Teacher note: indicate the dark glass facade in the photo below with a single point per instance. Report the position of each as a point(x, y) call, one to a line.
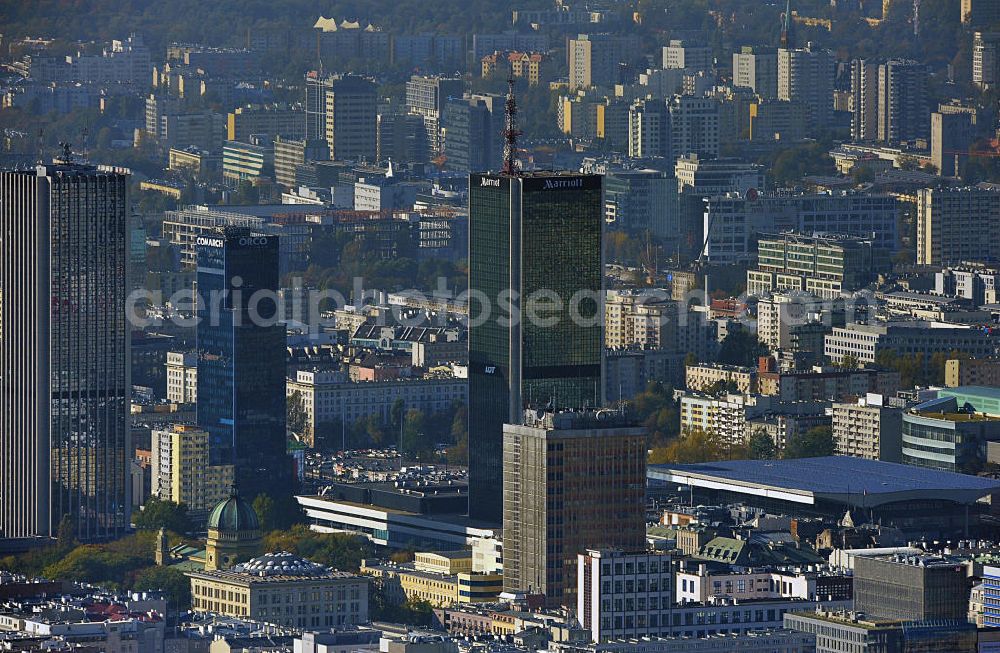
point(534, 256)
point(64, 352)
point(241, 358)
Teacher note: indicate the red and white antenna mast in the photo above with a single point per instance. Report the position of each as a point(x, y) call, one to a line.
point(510, 131)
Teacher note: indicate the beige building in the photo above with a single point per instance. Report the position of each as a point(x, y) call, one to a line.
point(651, 320)
point(331, 397)
point(698, 378)
point(571, 481)
point(440, 578)
point(958, 372)
point(182, 377)
point(282, 589)
point(868, 429)
point(957, 224)
point(181, 472)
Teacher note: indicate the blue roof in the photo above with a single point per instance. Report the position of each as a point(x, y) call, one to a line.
point(972, 391)
point(831, 475)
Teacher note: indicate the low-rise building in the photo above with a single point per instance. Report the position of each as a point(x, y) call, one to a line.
point(825, 266)
point(282, 589)
point(942, 434)
point(427, 579)
point(331, 398)
point(864, 342)
point(968, 371)
point(854, 632)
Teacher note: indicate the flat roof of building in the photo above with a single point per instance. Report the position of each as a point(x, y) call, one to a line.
point(839, 479)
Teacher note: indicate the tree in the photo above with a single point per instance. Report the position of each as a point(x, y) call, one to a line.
point(263, 505)
point(815, 442)
point(741, 348)
point(849, 362)
point(172, 581)
point(418, 442)
point(66, 535)
point(337, 550)
point(696, 446)
point(761, 446)
point(656, 409)
point(160, 513)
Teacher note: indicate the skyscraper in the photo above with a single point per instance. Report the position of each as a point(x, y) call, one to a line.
point(535, 255)
point(572, 481)
point(64, 351)
point(351, 116)
point(757, 68)
point(241, 357)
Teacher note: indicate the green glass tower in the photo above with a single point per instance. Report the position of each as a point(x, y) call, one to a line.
point(536, 335)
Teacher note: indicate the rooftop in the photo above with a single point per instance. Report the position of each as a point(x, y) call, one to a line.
point(842, 479)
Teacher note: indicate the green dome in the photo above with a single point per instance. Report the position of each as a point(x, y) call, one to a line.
point(233, 514)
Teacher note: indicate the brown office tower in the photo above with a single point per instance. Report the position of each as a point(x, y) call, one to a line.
point(572, 481)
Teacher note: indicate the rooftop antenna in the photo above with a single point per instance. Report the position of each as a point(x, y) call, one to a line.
point(510, 131)
point(67, 152)
point(85, 133)
point(39, 144)
point(786, 24)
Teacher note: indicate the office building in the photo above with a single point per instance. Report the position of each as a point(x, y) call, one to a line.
point(911, 587)
point(571, 482)
point(824, 266)
point(733, 222)
point(756, 69)
point(597, 59)
point(315, 106)
point(951, 137)
point(704, 177)
point(966, 371)
point(556, 220)
point(687, 55)
point(944, 434)
point(282, 589)
point(980, 13)
point(271, 119)
point(856, 632)
point(985, 59)
point(784, 121)
point(350, 119)
point(402, 137)
point(864, 342)
point(640, 201)
point(289, 154)
point(470, 127)
point(241, 357)
point(623, 595)
point(868, 429)
point(181, 471)
point(902, 101)
point(957, 224)
point(251, 162)
point(183, 227)
point(426, 97)
point(806, 76)
point(64, 351)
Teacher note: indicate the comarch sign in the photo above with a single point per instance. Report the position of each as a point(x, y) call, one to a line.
point(209, 242)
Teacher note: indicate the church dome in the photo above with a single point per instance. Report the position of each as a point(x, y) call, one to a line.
point(233, 515)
